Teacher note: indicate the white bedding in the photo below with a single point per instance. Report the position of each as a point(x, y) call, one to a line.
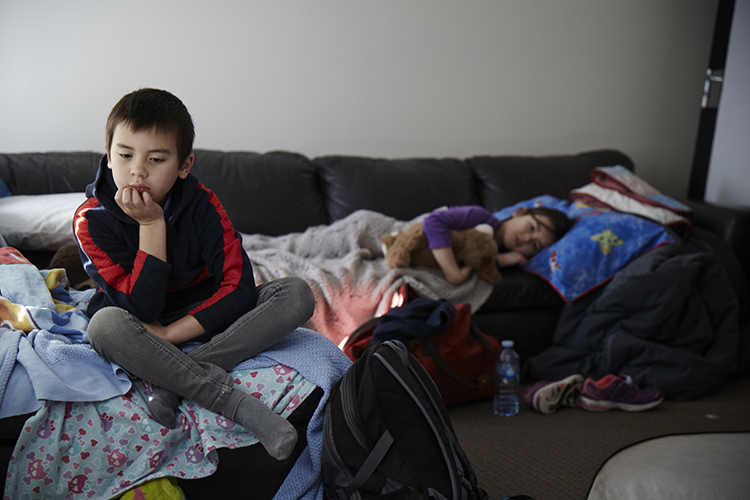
point(39, 222)
point(685, 467)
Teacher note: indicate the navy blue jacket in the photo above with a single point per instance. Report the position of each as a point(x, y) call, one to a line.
point(206, 263)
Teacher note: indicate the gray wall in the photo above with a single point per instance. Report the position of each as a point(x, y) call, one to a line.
point(389, 78)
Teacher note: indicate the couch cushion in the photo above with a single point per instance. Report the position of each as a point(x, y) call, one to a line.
point(273, 193)
point(506, 180)
point(400, 188)
point(48, 173)
point(521, 291)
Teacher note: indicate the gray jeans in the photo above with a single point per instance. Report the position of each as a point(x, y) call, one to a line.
point(201, 375)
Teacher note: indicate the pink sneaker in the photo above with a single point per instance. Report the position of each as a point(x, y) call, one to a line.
point(612, 392)
point(546, 397)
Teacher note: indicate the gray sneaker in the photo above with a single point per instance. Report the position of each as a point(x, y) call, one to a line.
point(546, 397)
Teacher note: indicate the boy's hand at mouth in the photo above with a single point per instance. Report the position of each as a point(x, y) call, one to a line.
point(137, 203)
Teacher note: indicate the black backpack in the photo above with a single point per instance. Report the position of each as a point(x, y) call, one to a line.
point(387, 434)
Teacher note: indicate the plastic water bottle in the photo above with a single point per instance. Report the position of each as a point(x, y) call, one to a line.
point(506, 381)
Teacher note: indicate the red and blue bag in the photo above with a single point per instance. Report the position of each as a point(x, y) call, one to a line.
point(459, 358)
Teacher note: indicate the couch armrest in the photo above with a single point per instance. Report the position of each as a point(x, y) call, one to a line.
point(731, 224)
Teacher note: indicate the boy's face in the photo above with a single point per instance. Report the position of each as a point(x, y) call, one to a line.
point(523, 233)
point(146, 161)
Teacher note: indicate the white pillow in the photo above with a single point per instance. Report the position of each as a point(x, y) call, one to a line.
point(39, 222)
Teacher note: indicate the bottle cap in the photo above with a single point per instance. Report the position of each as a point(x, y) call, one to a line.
point(507, 344)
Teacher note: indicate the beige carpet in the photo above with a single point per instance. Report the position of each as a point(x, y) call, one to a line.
point(557, 456)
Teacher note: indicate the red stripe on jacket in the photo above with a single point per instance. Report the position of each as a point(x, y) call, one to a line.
point(113, 274)
point(232, 271)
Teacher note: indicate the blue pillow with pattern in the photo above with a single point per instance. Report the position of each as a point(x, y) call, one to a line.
point(600, 243)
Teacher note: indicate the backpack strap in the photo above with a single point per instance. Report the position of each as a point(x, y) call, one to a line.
point(448, 448)
point(370, 464)
point(435, 494)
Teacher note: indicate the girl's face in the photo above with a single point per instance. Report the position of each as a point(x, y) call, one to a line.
point(525, 233)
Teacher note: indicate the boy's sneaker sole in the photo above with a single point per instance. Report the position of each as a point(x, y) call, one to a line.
point(565, 392)
point(595, 405)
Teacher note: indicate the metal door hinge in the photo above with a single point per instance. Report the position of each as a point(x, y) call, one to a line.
point(712, 88)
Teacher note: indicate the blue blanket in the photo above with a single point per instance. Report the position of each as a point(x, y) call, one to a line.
point(44, 355)
point(85, 450)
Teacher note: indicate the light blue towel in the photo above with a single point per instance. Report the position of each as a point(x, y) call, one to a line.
point(322, 362)
point(53, 359)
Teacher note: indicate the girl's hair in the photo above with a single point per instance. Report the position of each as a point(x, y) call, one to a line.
point(560, 222)
point(145, 109)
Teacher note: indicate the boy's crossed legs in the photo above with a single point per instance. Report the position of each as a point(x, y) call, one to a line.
point(201, 376)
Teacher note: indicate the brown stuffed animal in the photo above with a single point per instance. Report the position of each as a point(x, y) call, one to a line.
point(68, 258)
point(472, 248)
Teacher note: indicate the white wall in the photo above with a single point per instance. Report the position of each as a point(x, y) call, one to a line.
point(729, 171)
point(389, 78)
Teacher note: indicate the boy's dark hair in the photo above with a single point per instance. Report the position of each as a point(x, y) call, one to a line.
point(146, 108)
point(560, 222)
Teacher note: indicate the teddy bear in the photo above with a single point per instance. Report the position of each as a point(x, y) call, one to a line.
point(68, 258)
point(475, 248)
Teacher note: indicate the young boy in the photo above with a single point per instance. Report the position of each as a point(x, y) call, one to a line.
point(519, 238)
point(170, 268)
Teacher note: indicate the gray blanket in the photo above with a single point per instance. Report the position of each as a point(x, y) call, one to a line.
point(669, 320)
point(343, 263)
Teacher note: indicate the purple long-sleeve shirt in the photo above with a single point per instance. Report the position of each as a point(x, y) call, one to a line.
point(438, 225)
